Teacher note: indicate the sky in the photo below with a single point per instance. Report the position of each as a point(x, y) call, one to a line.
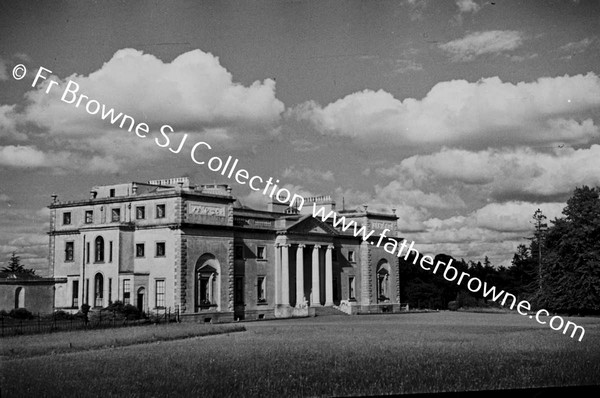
point(465, 116)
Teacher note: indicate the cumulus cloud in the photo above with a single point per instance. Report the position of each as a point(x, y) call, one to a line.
point(479, 43)
point(488, 112)
point(193, 93)
point(465, 6)
point(507, 174)
point(29, 157)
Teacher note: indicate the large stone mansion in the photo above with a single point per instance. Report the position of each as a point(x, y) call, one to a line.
point(168, 243)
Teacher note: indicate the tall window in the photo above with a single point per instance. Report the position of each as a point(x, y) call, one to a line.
point(89, 216)
point(111, 193)
point(66, 218)
point(160, 293)
point(126, 291)
point(261, 288)
point(69, 249)
point(75, 295)
point(110, 247)
point(351, 287)
point(140, 212)
point(160, 211)
point(98, 290)
point(116, 215)
point(99, 253)
point(109, 290)
point(160, 249)
point(87, 253)
point(87, 290)
point(139, 250)
point(260, 252)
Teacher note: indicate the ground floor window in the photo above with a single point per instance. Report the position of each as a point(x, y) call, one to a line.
point(127, 291)
point(160, 293)
point(261, 288)
point(75, 294)
point(98, 290)
point(351, 287)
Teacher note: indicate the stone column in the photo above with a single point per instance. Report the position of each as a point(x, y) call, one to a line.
point(277, 273)
point(328, 277)
point(316, 286)
point(300, 275)
point(285, 275)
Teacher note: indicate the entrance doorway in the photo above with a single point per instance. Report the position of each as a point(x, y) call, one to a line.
point(141, 296)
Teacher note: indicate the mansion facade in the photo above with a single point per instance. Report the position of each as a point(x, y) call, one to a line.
point(170, 244)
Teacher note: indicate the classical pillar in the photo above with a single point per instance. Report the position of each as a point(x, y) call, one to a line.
point(285, 275)
point(328, 277)
point(316, 288)
point(300, 274)
point(277, 273)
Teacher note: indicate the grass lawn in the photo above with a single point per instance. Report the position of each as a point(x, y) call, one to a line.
point(81, 340)
point(360, 355)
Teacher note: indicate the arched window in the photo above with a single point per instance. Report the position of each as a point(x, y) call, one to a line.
point(99, 257)
point(20, 297)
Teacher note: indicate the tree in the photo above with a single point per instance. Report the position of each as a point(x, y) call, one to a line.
point(15, 266)
point(571, 265)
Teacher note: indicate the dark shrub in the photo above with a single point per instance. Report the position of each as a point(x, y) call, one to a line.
point(3, 313)
point(20, 313)
point(63, 315)
point(453, 305)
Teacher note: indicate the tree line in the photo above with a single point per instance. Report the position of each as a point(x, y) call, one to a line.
point(558, 270)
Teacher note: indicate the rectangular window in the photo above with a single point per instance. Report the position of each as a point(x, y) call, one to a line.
point(238, 252)
point(140, 212)
point(160, 211)
point(111, 193)
point(261, 288)
point(351, 287)
point(69, 249)
point(351, 256)
point(89, 216)
point(109, 290)
point(260, 252)
point(110, 247)
point(66, 218)
point(160, 249)
point(75, 295)
point(139, 250)
point(87, 252)
point(115, 215)
point(126, 291)
point(160, 293)
point(239, 290)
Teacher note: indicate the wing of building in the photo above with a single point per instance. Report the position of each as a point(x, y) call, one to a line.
point(167, 243)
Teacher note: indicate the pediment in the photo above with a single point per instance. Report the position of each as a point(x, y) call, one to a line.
point(310, 225)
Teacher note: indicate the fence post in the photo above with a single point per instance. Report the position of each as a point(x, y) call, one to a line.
point(53, 320)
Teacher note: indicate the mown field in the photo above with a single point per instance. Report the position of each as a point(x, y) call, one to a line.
point(337, 355)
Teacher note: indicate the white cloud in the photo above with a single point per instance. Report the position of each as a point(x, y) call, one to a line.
point(465, 6)
point(193, 93)
point(30, 157)
point(503, 174)
point(479, 43)
point(484, 113)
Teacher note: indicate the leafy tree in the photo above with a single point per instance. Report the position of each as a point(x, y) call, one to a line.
point(571, 266)
point(15, 266)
